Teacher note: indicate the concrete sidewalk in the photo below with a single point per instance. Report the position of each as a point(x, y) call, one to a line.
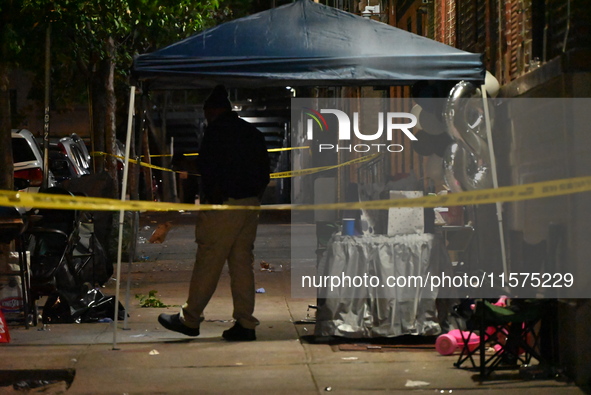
point(285, 359)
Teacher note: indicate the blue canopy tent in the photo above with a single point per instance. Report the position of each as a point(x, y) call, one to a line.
point(304, 43)
point(299, 44)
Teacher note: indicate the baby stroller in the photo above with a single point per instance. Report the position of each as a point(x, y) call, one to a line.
point(66, 258)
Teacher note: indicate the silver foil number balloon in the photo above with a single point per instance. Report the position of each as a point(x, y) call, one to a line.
point(466, 162)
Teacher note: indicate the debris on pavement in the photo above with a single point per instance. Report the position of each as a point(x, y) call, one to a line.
point(260, 291)
point(160, 232)
point(417, 383)
point(69, 307)
point(266, 267)
point(151, 300)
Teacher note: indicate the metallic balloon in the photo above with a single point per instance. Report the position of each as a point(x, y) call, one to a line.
point(466, 162)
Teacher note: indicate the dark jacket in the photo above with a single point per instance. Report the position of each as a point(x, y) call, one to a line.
point(233, 160)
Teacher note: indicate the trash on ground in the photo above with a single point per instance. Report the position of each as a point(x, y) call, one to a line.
point(417, 383)
point(160, 232)
point(306, 321)
point(154, 352)
point(266, 267)
point(68, 307)
point(261, 290)
point(349, 358)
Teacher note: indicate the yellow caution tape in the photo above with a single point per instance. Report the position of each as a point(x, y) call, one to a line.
point(269, 150)
point(303, 172)
point(286, 149)
point(98, 153)
point(486, 196)
point(284, 174)
point(144, 164)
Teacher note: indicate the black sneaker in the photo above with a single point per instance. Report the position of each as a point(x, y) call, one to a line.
point(239, 333)
point(173, 322)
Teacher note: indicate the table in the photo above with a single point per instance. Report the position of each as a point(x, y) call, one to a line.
point(378, 310)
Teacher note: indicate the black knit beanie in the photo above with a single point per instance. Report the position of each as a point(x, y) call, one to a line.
point(218, 98)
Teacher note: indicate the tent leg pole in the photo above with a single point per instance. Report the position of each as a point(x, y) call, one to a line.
point(127, 291)
point(495, 179)
point(122, 212)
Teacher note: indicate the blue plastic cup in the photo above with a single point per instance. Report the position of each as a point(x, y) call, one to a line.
point(348, 227)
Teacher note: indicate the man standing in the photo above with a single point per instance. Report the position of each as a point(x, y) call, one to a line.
point(234, 167)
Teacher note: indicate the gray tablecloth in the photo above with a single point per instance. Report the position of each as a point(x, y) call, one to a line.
point(379, 311)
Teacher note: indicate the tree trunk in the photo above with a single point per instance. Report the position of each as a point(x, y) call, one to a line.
point(110, 121)
point(6, 165)
point(103, 112)
point(146, 171)
point(98, 118)
point(136, 149)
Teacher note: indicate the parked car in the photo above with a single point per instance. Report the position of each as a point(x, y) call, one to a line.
point(68, 158)
point(82, 145)
point(28, 160)
point(75, 149)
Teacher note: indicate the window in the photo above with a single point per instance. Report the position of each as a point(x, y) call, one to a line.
point(21, 151)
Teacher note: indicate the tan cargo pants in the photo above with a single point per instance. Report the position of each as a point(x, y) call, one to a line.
point(224, 236)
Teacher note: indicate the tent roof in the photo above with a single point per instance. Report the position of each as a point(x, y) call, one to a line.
point(304, 43)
